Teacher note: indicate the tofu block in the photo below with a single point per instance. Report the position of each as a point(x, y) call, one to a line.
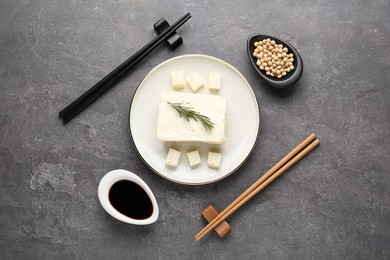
point(214, 81)
point(195, 81)
point(173, 128)
point(178, 80)
point(214, 160)
point(172, 157)
point(194, 158)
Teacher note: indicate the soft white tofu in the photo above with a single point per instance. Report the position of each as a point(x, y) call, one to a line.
point(195, 81)
point(214, 81)
point(214, 160)
point(178, 81)
point(194, 158)
point(173, 128)
point(172, 157)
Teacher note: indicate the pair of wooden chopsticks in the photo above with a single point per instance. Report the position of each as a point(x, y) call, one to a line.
point(290, 159)
point(108, 81)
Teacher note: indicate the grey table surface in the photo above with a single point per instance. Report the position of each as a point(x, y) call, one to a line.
point(334, 204)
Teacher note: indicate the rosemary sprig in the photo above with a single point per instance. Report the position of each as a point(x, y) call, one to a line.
point(188, 112)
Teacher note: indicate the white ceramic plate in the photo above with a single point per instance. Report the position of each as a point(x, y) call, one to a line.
point(242, 120)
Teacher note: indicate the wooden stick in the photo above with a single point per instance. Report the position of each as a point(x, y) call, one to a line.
point(264, 177)
point(284, 164)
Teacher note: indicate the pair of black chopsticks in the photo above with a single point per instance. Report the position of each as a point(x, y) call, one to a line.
point(69, 112)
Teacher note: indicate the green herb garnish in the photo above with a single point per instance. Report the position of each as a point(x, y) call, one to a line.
point(188, 112)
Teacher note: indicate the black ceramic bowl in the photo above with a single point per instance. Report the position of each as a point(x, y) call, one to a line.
point(291, 78)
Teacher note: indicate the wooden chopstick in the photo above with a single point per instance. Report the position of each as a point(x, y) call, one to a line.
point(290, 159)
point(108, 81)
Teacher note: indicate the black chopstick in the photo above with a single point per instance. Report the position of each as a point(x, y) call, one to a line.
point(99, 88)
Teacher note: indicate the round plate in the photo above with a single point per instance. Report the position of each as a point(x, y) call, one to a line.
point(241, 128)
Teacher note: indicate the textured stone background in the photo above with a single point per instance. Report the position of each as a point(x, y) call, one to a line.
point(335, 204)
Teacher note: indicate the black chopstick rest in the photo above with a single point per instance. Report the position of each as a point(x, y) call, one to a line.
point(175, 40)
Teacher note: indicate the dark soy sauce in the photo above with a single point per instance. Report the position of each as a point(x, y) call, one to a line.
point(130, 199)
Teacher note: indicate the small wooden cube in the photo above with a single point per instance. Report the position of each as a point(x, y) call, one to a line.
point(214, 81)
point(194, 158)
point(209, 213)
point(214, 160)
point(178, 80)
point(172, 157)
point(195, 81)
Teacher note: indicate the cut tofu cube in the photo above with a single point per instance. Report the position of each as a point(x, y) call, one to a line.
point(195, 81)
point(194, 158)
point(214, 160)
point(173, 157)
point(173, 128)
point(214, 81)
point(178, 80)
